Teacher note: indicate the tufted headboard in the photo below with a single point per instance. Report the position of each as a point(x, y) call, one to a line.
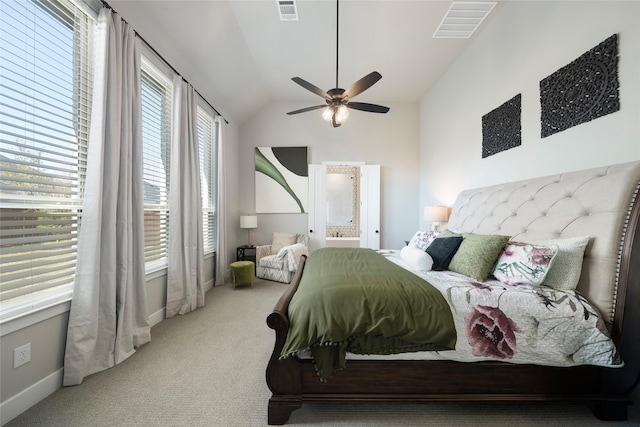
point(595, 202)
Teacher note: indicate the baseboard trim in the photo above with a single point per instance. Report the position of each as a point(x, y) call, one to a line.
point(208, 285)
point(16, 405)
point(160, 315)
point(157, 317)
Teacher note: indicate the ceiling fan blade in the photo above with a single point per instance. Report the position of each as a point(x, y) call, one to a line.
point(363, 84)
point(371, 108)
point(304, 110)
point(305, 84)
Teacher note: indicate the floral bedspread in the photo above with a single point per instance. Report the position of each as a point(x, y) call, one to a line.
point(521, 323)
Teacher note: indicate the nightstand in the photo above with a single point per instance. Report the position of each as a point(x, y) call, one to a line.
point(246, 253)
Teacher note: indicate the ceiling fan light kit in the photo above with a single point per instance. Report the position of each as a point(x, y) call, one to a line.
point(336, 114)
point(338, 100)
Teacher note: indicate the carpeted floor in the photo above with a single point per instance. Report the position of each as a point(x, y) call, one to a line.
point(208, 369)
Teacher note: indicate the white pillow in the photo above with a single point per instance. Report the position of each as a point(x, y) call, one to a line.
point(565, 272)
point(417, 259)
point(280, 240)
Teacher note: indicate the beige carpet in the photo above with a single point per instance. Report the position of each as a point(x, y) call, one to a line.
point(208, 369)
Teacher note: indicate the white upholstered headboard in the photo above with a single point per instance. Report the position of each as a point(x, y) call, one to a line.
point(594, 202)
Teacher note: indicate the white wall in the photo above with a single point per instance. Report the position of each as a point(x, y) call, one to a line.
point(525, 42)
point(390, 140)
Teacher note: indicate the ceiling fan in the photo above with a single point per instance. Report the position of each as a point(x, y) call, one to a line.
point(338, 100)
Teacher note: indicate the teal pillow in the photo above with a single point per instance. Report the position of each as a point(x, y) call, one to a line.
point(477, 255)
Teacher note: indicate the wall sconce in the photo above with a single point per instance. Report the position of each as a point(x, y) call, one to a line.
point(249, 222)
point(437, 215)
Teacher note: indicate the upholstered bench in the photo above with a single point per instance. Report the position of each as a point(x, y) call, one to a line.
point(242, 273)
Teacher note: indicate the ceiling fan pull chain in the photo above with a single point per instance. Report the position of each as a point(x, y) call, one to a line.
point(337, 37)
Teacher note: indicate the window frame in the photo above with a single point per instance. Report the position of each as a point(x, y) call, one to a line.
point(82, 27)
point(210, 144)
point(158, 77)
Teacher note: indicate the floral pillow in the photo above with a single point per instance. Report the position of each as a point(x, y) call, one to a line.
point(522, 263)
point(422, 239)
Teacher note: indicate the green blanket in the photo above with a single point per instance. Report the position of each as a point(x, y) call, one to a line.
point(358, 301)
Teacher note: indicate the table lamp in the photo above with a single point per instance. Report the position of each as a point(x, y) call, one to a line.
point(249, 222)
point(437, 215)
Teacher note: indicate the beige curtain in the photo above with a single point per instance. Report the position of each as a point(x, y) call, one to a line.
point(185, 280)
point(108, 317)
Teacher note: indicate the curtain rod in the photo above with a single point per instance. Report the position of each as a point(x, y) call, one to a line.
point(108, 6)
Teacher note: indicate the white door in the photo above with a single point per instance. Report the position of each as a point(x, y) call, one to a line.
point(370, 206)
point(317, 207)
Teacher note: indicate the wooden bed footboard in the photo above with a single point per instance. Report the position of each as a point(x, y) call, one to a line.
point(284, 377)
point(293, 381)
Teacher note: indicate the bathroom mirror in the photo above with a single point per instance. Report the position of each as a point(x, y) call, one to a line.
point(340, 195)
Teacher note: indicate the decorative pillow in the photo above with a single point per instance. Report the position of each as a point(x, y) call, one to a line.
point(422, 239)
point(524, 263)
point(441, 250)
point(281, 240)
point(417, 259)
point(565, 272)
point(448, 233)
point(477, 255)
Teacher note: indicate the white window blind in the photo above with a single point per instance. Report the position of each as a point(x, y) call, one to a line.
point(45, 101)
point(208, 142)
point(156, 134)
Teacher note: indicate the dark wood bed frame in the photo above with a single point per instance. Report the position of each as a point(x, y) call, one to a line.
point(293, 381)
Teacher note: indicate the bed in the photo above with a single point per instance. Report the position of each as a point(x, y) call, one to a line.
point(600, 203)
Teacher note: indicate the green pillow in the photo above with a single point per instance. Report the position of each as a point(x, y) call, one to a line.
point(477, 255)
point(448, 233)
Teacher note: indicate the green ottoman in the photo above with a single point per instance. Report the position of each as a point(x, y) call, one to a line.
point(242, 273)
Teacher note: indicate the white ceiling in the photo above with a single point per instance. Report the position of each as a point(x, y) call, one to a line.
point(240, 56)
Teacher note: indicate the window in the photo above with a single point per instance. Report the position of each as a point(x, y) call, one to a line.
point(45, 102)
point(46, 77)
point(156, 137)
point(208, 142)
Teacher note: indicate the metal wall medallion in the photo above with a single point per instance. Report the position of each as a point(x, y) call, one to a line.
point(581, 91)
point(501, 128)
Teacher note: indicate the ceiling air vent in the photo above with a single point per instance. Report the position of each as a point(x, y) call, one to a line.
point(288, 10)
point(462, 19)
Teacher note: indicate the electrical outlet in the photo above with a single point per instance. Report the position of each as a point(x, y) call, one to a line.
point(21, 355)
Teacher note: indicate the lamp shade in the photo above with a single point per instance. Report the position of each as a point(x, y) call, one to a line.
point(436, 213)
point(248, 221)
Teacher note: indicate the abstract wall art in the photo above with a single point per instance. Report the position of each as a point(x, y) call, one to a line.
point(581, 91)
point(501, 128)
point(282, 179)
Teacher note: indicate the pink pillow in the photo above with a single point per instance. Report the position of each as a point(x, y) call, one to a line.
point(524, 263)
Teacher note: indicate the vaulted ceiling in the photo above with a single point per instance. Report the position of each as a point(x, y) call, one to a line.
point(240, 56)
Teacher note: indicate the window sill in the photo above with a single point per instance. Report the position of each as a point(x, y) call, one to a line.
point(26, 319)
point(10, 322)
